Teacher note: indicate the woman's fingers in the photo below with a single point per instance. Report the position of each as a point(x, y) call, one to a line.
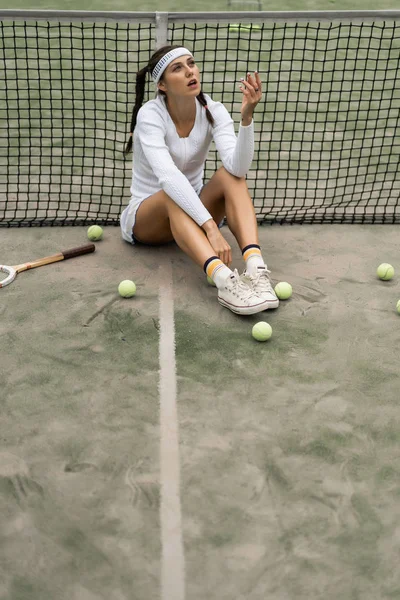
point(252, 84)
point(221, 247)
point(226, 256)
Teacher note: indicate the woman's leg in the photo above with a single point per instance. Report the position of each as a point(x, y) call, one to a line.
point(236, 204)
point(227, 195)
point(160, 220)
point(152, 221)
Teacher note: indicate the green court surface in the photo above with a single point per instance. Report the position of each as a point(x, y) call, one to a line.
point(150, 448)
point(287, 468)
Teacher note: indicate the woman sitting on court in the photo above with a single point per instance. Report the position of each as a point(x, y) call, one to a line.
point(171, 138)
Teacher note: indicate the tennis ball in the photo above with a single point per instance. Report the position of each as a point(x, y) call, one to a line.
point(95, 233)
point(127, 288)
point(398, 306)
point(283, 290)
point(385, 271)
point(261, 331)
point(238, 27)
point(210, 281)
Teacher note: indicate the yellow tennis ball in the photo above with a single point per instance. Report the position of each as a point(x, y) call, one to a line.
point(283, 290)
point(243, 26)
point(261, 331)
point(385, 271)
point(398, 306)
point(210, 281)
point(95, 233)
point(127, 288)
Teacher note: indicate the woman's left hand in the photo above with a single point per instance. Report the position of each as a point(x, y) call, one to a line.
point(251, 88)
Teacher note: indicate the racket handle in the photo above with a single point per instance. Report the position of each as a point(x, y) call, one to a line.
point(86, 249)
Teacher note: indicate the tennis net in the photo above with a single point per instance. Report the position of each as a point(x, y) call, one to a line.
point(327, 143)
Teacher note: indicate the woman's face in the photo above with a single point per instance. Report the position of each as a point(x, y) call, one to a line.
point(178, 75)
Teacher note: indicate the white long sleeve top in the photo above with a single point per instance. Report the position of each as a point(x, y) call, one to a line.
point(163, 160)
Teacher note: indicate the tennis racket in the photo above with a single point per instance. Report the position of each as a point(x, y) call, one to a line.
point(12, 272)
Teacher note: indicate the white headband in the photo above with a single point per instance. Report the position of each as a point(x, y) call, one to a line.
point(166, 60)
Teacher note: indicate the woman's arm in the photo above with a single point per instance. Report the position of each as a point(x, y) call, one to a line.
point(151, 133)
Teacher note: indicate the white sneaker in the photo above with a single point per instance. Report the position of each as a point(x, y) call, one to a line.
point(239, 297)
point(260, 283)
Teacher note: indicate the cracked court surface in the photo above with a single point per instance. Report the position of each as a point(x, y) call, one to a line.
point(288, 463)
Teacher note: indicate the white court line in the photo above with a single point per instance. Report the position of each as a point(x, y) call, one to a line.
point(172, 560)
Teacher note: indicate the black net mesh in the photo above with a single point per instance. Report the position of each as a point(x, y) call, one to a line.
point(327, 143)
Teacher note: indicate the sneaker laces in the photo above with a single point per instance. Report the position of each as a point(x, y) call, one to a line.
point(238, 286)
point(262, 280)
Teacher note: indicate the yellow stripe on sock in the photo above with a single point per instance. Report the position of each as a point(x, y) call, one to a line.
point(213, 266)
point(251, 252)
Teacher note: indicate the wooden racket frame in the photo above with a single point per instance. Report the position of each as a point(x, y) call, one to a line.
point(47, 260)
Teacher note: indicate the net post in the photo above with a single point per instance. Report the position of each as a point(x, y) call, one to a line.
point(161, 33)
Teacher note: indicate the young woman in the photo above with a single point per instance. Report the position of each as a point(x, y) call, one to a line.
point(171, 137)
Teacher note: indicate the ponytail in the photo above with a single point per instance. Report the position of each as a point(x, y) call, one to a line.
point(140, 87)
point(203, 102)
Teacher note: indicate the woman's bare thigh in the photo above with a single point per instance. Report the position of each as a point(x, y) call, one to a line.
point(152, 222)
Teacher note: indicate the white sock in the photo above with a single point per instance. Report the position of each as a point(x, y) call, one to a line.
point(253, 263)
point(221, 276)
point(217, 271)
point(253, 258)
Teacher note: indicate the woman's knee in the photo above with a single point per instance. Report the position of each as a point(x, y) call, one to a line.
point(224, 174)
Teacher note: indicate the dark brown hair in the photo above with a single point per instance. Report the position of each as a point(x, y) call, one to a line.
point(140, 87)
